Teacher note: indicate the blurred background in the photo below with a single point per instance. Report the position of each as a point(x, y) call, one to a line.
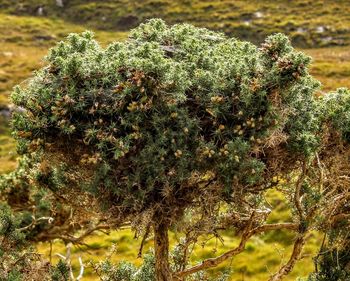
point(320, 28)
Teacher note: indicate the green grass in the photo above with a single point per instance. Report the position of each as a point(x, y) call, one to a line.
point(307, 22)
point(7, 151)
point(263, 254)
point(23, 46)
point(331, 66)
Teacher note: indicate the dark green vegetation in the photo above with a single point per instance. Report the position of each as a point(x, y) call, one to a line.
point(168, 95)
point(21, 52)
point(333, 265)
point(183, 128)
point(165, 121)
point(25, 39)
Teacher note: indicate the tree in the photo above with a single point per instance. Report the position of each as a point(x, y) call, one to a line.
point(180, 120)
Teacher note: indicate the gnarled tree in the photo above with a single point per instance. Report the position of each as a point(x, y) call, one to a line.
point(178, 120)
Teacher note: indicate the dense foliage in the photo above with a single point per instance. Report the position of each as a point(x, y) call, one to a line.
point(181, 127)
point(18, 260)
point(139, 121)
point(333, 265)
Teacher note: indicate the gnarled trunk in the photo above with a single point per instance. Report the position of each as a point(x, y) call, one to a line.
point(161, 248)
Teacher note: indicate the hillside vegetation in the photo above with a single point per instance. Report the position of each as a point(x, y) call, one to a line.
point(307, 22)
point(29, 28)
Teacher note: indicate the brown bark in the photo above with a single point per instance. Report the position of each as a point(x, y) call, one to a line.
point(213, 262)
point(288, 267)
point(161, 248)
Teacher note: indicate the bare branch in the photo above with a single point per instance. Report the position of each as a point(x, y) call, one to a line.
point(339, 217)
point(68, 260)
point(81, 273)
point(295, 256)
point(35, 222)
point(79, 239)
point(213, 262)
point(144, 238)
point(297, 199)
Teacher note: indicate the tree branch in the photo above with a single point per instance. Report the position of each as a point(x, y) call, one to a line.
point(297, 199)
point(295, 256)
point(213, 262)
point(35, 221)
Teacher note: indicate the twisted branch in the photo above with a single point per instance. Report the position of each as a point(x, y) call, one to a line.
point(247, 234)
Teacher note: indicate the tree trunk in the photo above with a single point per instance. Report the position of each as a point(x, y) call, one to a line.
point(161, 248)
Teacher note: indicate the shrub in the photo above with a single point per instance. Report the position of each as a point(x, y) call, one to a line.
point(175, 121)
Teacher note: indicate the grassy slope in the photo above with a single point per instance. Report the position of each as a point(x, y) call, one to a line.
point(308, 22)
point(25, 40)
point(331, 66)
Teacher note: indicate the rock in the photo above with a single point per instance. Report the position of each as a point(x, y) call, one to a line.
point(320, 29)
point(327, 39)
point(7, 54)
point(44, 37)
point(59, 3)
point(301, 30)
point(5, 113)
point(258, 15)
point(40, 11)
point(247, 22)
point(12, 108)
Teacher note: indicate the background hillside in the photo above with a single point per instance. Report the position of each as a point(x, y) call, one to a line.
point(319, 28)
point(308, 23)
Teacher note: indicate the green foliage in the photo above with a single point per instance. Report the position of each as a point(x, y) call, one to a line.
point(125, 271)
point(332, 265)
point(306, 142)
point(18, 260)
point(336, 106)
point(140, 118)
point(8, 226)
point(13, 254)
point(60, 272)
point(19, 193)
point(171, 118)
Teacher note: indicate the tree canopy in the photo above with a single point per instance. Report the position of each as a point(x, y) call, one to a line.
point(178, 120)
point(143, 119)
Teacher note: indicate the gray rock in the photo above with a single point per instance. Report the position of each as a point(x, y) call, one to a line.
point(5, 113)
point(258, 15)
point(320, 29)
point(40, 11)
point(59, 3)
